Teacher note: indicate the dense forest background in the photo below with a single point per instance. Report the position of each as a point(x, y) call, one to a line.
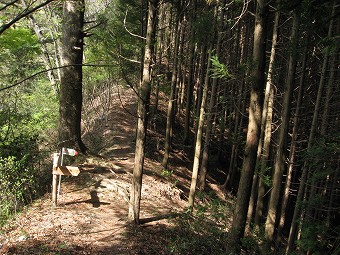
point(252, 94)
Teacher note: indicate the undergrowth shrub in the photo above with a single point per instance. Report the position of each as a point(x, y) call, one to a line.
point(201, 231)
point(196, 235)
point(19, 175)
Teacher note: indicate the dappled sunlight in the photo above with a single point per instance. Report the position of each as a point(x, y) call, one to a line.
point(91, 216)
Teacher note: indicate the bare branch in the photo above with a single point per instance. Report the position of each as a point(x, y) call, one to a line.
point(128, 59)
point(244, 10)
point(7, 4)
point(135, 35)
point(23, 15)
point(50, 69)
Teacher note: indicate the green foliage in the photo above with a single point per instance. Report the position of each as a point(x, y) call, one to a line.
point(321, 158)
point(212, 204)
point(167, 173)
point(250, 244)
point(19, 41)
point(313, 238)
point(197, 235)
point(22, 173)
point(18, 49)
point(17, 175)
point(267, 179)
point(203, 25)
point(320, 230)
point(220, 70)
point(203, 230)
point(27, 113)
point(111, 44)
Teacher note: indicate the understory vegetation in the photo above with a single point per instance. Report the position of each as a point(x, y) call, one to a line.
point(242, 95)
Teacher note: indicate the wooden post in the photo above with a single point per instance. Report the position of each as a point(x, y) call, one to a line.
point(59, 170)
point(54, 189)
point(55, 179)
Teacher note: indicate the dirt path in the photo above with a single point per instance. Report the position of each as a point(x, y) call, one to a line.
point(92, 207)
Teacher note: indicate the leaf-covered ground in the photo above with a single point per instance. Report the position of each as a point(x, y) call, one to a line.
point(91, 216)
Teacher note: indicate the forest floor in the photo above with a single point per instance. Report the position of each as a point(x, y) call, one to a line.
point(91, 216)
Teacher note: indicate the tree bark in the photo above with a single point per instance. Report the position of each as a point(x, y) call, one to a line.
point(190, 85)
point(198, 143)
point(45, 54)
point(255, 111)
point(71, 75)
point(143, 112)
point(304, 175)
point(258, 189)
point(280, 157)
point(292, 150)
point(210, 115)
point(200, 75)
point(172, 98)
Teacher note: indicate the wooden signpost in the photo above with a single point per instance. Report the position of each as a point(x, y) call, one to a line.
point(66, 170)
point(58, 170)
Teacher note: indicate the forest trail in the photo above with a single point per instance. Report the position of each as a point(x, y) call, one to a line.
point(91, 216)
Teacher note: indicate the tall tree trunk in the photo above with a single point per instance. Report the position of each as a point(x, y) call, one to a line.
point(171, 103)
point(45, 54)
point(190, 84)
point(304, 175)
point(239, 110)
point(238, 123)
point(143, 112)
point(292, 150)
point(280, 157)
point(198, 143)
point(53, 31)
point(330, 85)
point(265, 133)
point(222, 119)
point(210, 115)
point(201, 74)
point(71, 74)
point(160, 49)
point(254, 125)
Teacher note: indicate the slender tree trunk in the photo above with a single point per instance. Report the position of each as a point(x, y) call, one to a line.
point(239, 110)
point(265, 133)
point(280, 156)
point(232, 169)
point(160, 49)
point(45, 54)
point(198, 143)
point(301, 192)
point(71, 75)
point(330, 85)
point(190, 84)
point(223, 119)
point(201, 76)
point(53, 31)
point(143, 111)
point(171, 107)
point(292, 151)
point(254, 125)
point(210, 116)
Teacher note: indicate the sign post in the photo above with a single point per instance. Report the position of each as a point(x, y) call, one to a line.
point(59, 169)
point(55, 178)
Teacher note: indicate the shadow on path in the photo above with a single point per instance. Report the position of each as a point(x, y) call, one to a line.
point(94, 200)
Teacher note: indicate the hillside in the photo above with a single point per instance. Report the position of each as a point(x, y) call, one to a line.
point(91, 216)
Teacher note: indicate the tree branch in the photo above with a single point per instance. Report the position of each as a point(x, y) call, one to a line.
point(7, 4)
point(22, 15)
point(135, 35)
point(47, 70)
